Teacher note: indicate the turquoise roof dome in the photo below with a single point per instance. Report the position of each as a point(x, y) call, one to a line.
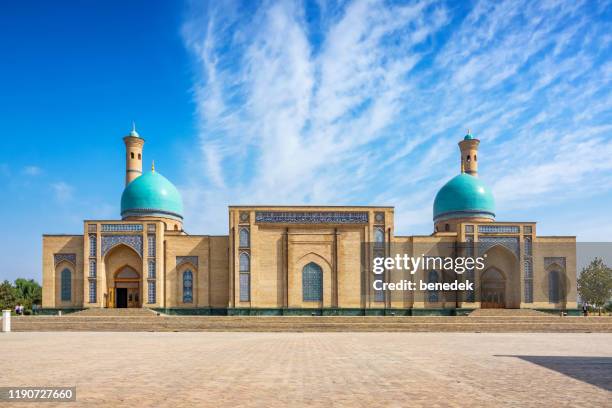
point(464, 196)
point(151, 195)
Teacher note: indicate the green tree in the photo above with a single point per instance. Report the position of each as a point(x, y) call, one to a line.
point(8, 295)
point(595, 284)
point(29, 292)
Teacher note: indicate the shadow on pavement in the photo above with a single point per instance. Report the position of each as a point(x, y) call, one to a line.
point(592, 370)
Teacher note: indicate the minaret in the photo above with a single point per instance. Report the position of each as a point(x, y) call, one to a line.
point(133, 155)
point(469, 154)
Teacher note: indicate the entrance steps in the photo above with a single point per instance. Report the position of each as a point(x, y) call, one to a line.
point(152, 322)
point(110, 312)
point(508, 313)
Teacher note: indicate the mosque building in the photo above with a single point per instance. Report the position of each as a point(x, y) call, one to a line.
point(282, 260)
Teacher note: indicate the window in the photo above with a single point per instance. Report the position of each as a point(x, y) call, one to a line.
point(92, 268)
point(151, 244)
point(244, 238)
point(553, 287)
point(528, 281)
point(92, 291)
point(132, 155)
point(432, 295)
point(151, 269)
point(92, 245)
point(245, 287)
point(446, 227)
point(475, 158)
point(66, 286)
point(151, 292)
point(312, 283)
point(379, 237)
point(187, 287)
point(139, 156)
point(469, 159)
point(528, 246)
point(245, 264)
point(245, 279)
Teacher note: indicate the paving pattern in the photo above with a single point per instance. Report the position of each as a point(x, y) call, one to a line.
point(210, 369)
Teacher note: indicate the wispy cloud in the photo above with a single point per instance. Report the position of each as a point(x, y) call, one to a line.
point(32, 170)
point(62, 191)
point(363, 102)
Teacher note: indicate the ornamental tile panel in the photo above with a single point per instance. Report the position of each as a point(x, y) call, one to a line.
point(554, 260)
point(57, 258)
point(302, 217)
point(110, 241)
point(186, 259)
point(511, 243)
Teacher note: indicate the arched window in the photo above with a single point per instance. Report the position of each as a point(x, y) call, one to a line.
point(245, 278)
point(312, 283)
point(475, 157)
point(92, 245)
point(553, 287)
point(469, 159)
point(187, 287)
point(244, 238)
point(432, 295)
point(245, 264)
point(379, 237)
point(66, 285)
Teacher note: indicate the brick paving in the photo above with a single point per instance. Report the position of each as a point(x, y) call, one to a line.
point(210, 369)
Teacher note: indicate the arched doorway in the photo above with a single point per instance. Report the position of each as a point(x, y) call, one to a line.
point(126, 289)
point(493, 289)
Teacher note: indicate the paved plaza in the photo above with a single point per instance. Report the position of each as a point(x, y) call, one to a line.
point(142, 369)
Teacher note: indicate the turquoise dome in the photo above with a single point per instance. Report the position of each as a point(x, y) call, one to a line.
point(464, 196)
point(151, 195)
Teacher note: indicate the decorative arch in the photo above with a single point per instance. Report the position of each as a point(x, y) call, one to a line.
point(313, 257)
point(110, 242)
point(185, 288)
point(510, 244)
point(126, 272)
point(59, 258)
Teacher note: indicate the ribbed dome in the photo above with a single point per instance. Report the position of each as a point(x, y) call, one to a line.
point(151, 195)
point(462, 197)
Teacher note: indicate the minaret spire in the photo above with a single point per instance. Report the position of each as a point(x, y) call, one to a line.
point(153, 166)
point(469, 154)
point(133, 154)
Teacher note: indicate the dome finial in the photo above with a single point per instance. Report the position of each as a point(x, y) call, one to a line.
point(153, 166)
point(468, 135)
point(134, 133)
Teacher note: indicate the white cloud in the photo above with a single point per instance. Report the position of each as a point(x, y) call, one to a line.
point(62, 191)
point(32, 170)
point(365, 104)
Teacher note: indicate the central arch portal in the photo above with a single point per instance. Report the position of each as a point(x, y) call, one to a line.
point(126, 289)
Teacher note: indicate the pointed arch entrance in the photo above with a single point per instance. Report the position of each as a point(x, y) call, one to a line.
point(493, 284)
point(123, 270)
point(127, 288)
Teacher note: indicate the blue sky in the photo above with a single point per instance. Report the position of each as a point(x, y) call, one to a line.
point(303, 103)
